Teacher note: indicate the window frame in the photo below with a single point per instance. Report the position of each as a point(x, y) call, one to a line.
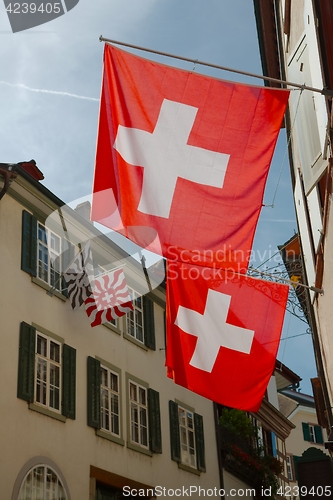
point(52, 255)
point(153, 418)
point(186, 430)
point(175, 439)
point(131, 317)
point(29, 253)
point(49, 363)
point(26, 381)
point(142, 409)
point(312, 433)
point(290, 467)
point(46, 471)
point(111, 392)
point(29, 466)
point(148, 323)
point(94, 405)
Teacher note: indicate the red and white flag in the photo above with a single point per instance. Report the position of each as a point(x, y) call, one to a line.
point(223, 333)
point(110, 299)
point(182, 159)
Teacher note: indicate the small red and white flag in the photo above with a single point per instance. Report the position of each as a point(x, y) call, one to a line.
point(78, 277)
point(182, 159)
point(110, 298)
point(223, 333)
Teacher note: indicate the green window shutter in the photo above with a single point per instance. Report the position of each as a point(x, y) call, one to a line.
point(68, 381)
point(295, 460)
point(94, 392)
point(26, 368)
point(67, 256)
point(174, 431)
point(29, 243)
point(200, 442)
point(149, 324)
point(154, 415)
point(318, 434)
point(306, 431)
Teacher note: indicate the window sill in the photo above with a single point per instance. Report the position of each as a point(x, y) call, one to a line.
point(107, 435)
point(48, 287)
point(134, 341)
point(140, 449)
point(189, 469)
point(47, 412)
point(112, 327)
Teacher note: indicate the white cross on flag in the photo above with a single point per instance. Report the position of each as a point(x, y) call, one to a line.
point(182, 159)
point(223, 333)
point(110, 298)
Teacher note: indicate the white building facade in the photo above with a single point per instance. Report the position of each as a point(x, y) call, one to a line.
point(86, 413)
point(296, 40)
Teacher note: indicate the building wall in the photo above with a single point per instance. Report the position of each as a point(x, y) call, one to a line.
point(324, 313)
point(235, 487)
point(295, 443)
point(297, 7)
point(72, 445)
point(308, 121)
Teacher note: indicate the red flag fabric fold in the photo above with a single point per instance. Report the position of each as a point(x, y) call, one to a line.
point(182, 159)
point(223, 333)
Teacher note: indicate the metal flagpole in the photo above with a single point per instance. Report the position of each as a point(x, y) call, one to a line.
point(325, 92)
point(288, 282)
point(145, 271)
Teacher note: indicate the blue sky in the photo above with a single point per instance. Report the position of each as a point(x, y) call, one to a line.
point(50, 86)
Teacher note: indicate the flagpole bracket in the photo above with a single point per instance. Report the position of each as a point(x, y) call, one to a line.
point(327, 92)
point(317, 290)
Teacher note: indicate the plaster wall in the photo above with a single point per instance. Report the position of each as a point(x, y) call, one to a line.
point(72, 445)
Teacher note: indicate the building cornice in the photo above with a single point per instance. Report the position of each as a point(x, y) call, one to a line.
point(272, 419)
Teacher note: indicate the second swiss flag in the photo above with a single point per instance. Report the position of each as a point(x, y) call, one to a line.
point(223, 333)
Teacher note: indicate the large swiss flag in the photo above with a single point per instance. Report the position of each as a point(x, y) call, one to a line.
point(182, 159)
point(223, 333)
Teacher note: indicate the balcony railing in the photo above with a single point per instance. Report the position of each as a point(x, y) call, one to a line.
point(243, 459)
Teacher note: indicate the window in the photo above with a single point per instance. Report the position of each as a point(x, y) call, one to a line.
point(47, 370)
point(140, 325)
point(42, 482)
point(312, 433)
point(289, 462)
point(44, 253)
point(40, 478)
point(110, 406)
point(134, 319)
point(144, 418)
point(104, 408)
point(187, 437)
point(104, 399)
point(138, 414)
point(49, 250)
